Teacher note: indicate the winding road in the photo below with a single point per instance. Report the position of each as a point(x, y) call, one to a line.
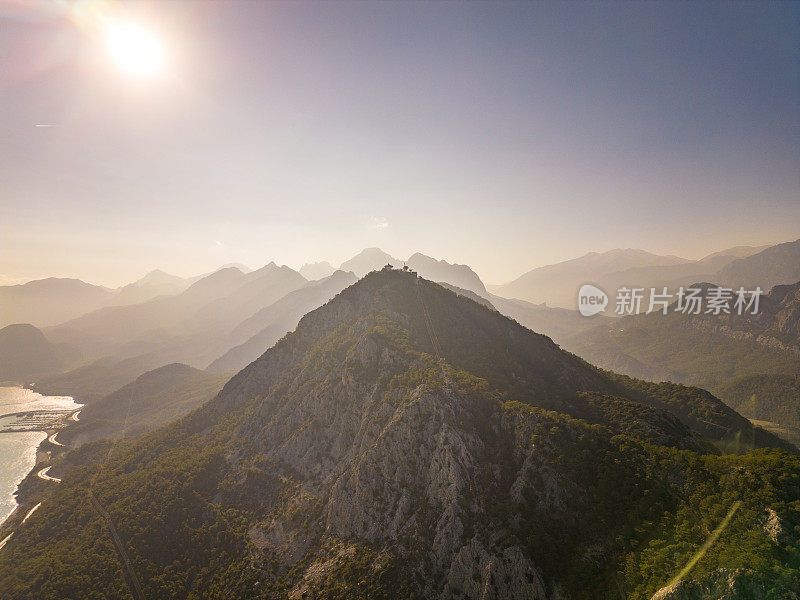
point(30, 512)
point(43, 475)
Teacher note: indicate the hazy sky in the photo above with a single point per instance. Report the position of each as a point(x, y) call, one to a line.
point(504, 136)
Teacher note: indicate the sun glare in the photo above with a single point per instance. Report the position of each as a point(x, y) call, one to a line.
point(134, 49)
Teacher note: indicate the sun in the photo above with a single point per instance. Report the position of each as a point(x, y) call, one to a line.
point(134, 50)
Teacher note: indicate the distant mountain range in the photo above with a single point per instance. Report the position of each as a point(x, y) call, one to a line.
point(777, 265)
point(189, 327)
point(408, 441)
point(317, 270)
point(271, 323)
point(373, 259)
point(154, 284)
point(369, 259)
point(228, 318)
point(49, 301)
point(558, 284)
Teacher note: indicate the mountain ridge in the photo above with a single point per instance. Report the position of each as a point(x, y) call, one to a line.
point(405, 439)
point(557, 284)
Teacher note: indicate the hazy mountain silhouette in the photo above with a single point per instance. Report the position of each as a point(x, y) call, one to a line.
point(26, 354)
point(557, 323)
point(190, 327)
point(155, 283)
point(374, 259)
point(439, 270)
point(369, 259)
point(777, 265)
point(406, 440)
point(271, 323)
point(49, 301)
point(733, 253)
point(317, 270)
point(240, 266)
point(674, 276)
point(260, 288)
point(558, 284)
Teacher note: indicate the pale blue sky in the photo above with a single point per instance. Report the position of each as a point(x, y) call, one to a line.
point(504, 136)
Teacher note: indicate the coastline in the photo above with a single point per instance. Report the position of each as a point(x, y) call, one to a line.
point(46, 451)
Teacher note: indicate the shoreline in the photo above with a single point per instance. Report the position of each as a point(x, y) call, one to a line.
point(45, 453)
point(44, 460)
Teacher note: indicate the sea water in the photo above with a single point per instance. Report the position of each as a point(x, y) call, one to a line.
point(18, 450)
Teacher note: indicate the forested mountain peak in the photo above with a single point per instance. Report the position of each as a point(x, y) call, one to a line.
point(405, 440)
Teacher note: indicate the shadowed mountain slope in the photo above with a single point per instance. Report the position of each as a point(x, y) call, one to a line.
point(26, 354)
point(771, 398)
point(701, 349)
point(92, 381)
point(152, 400)
point(713, 351)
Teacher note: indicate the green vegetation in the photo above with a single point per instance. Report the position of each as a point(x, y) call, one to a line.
point(774, 398)
point(659, 347)
point(750, 361)
point(761, 479)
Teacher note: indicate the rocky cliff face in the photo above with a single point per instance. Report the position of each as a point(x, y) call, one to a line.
point(365, 430)
point(776, 325)
point(368, 449)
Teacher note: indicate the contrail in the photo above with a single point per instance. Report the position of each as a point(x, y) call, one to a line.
point(708, 543)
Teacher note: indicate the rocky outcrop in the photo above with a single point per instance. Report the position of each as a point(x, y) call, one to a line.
point(724, 584)
point(776, 529)
point(409, 468)
point(475, 573)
